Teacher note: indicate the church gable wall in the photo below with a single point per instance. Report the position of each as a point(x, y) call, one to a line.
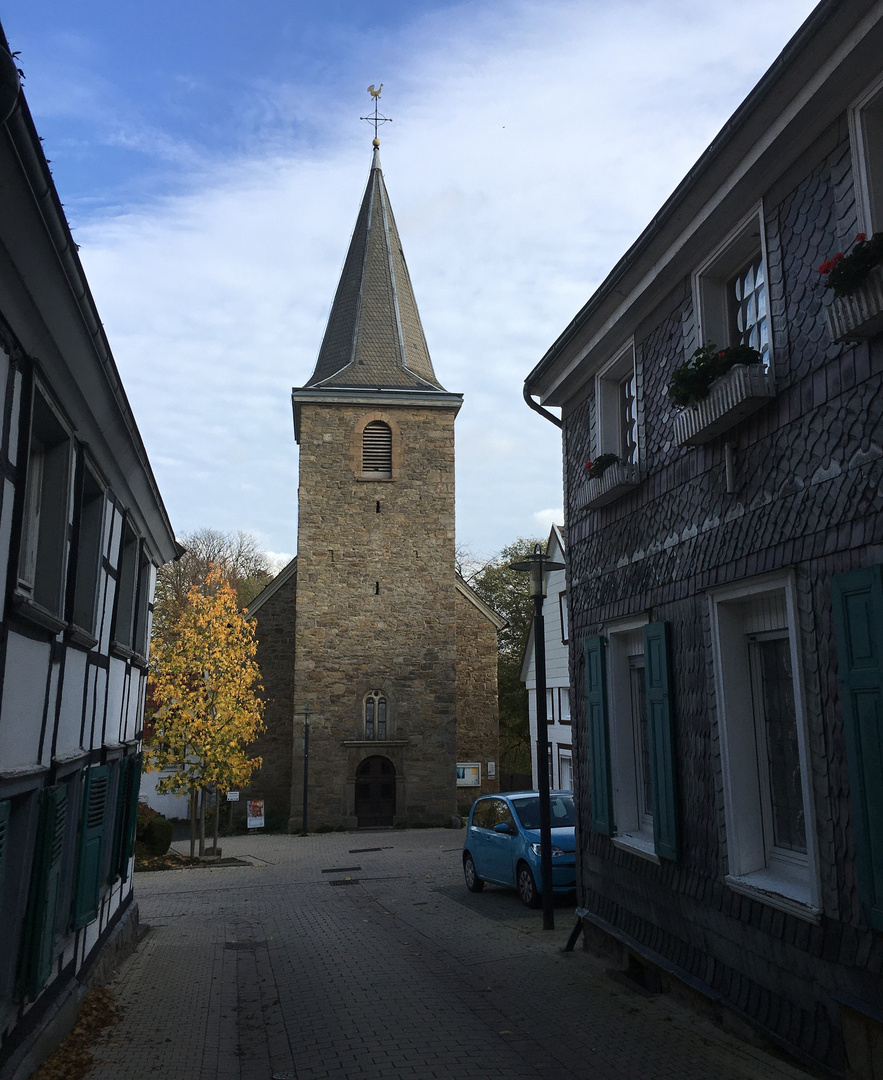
point(478, 729)
point(275, 623)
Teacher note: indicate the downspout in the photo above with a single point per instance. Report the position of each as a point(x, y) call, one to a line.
point(535, 405)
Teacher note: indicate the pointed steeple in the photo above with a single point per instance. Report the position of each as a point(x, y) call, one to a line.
point(374, 338)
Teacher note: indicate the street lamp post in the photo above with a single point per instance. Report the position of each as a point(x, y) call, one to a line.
point(306, 765)
point(536, 565)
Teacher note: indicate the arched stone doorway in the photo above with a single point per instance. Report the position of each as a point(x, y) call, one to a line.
point(375, 792)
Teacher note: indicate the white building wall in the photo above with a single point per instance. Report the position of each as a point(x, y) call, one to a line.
point(559, 731)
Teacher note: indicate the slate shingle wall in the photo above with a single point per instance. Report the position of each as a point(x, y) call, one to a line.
point(809, 468)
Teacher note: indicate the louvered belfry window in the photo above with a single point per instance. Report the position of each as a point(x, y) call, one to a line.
point(377, 450)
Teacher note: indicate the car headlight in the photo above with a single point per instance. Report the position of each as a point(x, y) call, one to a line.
point(538, 850)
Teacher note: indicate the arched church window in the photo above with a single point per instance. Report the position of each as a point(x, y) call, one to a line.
point(377, 450)
point(375, 715)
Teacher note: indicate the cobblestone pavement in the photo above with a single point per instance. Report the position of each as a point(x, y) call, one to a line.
point(363, 955)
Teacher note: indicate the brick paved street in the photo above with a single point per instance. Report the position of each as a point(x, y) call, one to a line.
point(363, 955)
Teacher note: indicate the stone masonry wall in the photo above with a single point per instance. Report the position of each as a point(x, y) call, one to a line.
point(478, 721)
point(376, 609)
point(809, 468)
point(275, 622)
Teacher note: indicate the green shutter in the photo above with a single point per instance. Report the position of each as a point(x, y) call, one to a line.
point(133, 784)
point(121, 768)
point(858, 627)
point(599, 735)
point(93, 824)
point(4, 840)
point(41, 920)
point(660, 725)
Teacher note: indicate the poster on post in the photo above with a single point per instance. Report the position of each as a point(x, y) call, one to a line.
point(255, 809)
point(468, 774)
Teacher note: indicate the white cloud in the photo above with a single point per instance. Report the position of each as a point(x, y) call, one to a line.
point(531, 144)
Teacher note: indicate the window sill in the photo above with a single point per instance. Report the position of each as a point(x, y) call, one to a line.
point(616, 481)
point(36, 613)
point(126, 652)
point(370, 478)
point(743, 390)
point(791, 896)
point(636, 844)
point(79, 636)
point(860, 316)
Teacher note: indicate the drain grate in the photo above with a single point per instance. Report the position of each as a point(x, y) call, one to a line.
point(361, 850)
point(345, 881)
point(340, 869)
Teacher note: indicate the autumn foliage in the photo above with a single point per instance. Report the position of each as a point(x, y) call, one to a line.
point(204, 688)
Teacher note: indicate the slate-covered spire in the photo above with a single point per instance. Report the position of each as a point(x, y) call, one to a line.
point(374, 339)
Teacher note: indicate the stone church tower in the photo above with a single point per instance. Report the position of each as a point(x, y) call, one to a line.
point(390, 647)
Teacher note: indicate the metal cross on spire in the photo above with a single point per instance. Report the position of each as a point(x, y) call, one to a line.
point(378, 118)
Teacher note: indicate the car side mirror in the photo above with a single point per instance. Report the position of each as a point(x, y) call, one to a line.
point(504, 827)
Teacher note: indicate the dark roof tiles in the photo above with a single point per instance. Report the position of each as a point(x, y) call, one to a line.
point(374, 337)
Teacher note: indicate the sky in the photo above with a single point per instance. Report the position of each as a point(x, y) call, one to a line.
point(211, 161)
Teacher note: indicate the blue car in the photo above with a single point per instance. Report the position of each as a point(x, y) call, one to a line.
point(503, 844)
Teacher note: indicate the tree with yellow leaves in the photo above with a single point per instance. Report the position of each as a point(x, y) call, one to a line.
point(204, 687)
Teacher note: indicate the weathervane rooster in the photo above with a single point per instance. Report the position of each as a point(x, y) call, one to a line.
point(378, 118)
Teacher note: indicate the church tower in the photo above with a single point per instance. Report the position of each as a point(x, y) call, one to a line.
point(375, 637)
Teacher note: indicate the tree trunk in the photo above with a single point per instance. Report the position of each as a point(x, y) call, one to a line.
point(193, 797)
point(217, 815)
point(202, 795)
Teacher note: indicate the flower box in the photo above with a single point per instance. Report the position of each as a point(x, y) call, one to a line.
point(616, 480)
point(743, 390)
point(858, 316)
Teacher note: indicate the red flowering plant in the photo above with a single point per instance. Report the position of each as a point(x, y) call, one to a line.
point(691, 381)
point(844, 274)
point(596, 469)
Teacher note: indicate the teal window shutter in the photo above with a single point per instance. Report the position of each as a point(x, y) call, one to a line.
point(121, 768)
point(857, 599)
point(598, 732)
point(130, 810)
point(660, 732)
point(93, 824)
point(41, 925)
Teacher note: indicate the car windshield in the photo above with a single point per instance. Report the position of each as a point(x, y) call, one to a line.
point(528, 811)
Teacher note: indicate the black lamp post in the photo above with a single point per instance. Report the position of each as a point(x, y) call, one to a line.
point(537, 564)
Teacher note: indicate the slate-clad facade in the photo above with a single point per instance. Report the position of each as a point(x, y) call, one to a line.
point(82, 530)
point(725, 573)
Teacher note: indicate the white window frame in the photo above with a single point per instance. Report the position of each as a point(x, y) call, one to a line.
point(564, 705)
point(634, 832)
point(754, 869)
point(866, 142)
point(551, 714)
point(711, 277)
point(92, 508)
point(565, 754)
point(607, 399)
point(565, 619)
point(48, 508)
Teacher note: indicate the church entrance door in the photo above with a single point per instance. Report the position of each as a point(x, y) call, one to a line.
point(375, 792)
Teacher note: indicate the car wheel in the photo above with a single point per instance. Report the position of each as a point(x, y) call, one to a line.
point(473, 881)
point(527, 887)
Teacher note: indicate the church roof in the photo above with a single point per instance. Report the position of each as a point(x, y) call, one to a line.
point(374, 338)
